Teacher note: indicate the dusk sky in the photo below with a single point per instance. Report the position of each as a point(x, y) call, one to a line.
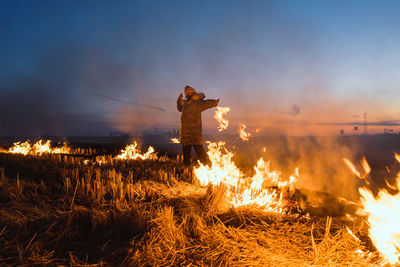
point(293, 67)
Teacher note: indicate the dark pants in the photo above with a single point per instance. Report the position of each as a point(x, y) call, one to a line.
point(201, 155)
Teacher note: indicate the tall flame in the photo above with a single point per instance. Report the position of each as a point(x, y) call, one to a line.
point(132, 152)
point(219, 116)
point(244, 190)
point(245, 136)
point(383, 215)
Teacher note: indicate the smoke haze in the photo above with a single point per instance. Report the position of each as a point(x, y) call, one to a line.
point(285, 67)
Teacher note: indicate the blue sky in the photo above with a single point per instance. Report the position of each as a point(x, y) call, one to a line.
point(65, 63)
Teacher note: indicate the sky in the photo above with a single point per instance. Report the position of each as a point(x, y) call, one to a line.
point(288, 67)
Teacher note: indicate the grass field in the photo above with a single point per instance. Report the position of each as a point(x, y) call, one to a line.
point(72, 210)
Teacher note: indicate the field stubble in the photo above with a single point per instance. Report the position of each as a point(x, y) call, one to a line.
point(71, 210)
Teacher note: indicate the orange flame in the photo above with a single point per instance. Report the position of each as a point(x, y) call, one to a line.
point(20, 148)
point(245, 136)
point(397, 157)
point(364, 163)
point(243, 190)
point(175, 140)
point(38, 148)
point(383, 214)
point(383, 217)
point(219, 116)
point(132, 152)
point(352, 167)
point(61, 150)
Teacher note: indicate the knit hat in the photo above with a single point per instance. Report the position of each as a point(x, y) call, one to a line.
point(189, 90)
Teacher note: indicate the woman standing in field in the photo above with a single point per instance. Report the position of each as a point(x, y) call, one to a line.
point(191, 128)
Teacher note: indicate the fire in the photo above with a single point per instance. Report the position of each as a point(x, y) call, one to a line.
point(38, 148)
point(61, 150)
point(41, 148)
point(219, 116)
point(364, 164)
point(241, 189)
point(132, 152)
point(20, 148)
point(175, 140)
point(245, 136)
point(383, 215)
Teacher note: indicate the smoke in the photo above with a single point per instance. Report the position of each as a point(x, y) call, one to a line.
point(295, 110)
point(256, 57)
point(131, 119)
point(319, 160)
point(59, 95)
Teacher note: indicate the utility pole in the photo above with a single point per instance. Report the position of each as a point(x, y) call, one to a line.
point(365, 124)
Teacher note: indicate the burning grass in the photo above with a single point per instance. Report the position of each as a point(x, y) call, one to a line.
point(72, 210)
point(37, 148)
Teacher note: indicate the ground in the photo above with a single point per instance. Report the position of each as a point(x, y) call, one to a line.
point(71, 210)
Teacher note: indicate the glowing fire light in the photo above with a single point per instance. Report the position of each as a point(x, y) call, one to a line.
point(364, 164)
point(367, 168)
point(20, 148)
point(245, 136)
point(41, 148)
point(243, 190)
point(132, 152)
point(383, 215)
point(38, 148)
point(219, 116)
point(61, 150)
point(175, 140)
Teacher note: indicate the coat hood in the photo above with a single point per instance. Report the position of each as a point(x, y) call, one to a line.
point(199, 96)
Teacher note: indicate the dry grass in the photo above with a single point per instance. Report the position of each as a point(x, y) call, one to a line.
point(200, 234)
point(59, 210)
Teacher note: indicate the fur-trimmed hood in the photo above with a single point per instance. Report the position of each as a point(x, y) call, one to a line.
point(198, 96)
